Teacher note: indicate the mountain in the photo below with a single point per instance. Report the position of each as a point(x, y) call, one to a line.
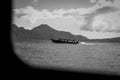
point(42, 32)
point(20, 34)
point(117, 39)
point(45, 32)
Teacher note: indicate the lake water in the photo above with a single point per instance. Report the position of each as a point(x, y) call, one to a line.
point(92, 43)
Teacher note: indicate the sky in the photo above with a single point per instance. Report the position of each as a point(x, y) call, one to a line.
point(91, 18)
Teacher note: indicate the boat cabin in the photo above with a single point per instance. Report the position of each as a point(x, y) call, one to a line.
point(62, 40)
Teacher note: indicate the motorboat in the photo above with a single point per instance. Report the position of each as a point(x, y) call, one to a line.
point(62, 40)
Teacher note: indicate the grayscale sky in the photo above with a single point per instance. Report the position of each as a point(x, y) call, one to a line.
point(91, 18)
point(52, 4)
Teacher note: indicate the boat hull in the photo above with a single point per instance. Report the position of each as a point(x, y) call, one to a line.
point(64, 41)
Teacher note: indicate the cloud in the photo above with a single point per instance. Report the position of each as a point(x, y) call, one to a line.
point(107, 3)
point(33, 15)
point(111, 22)
point(102, 17)
point(107, 22)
